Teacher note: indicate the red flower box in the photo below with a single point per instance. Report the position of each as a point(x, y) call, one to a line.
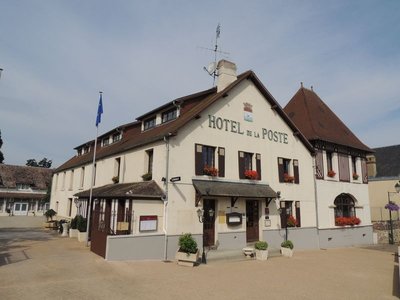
point(343, 221)
point(211, 171)
point(251, 174)
point(288, 178)
point(331, 173)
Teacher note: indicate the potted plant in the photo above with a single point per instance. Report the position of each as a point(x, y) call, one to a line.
point(355, 176)
point(73, 231)
point(188, 253)
point(251, 174)
point(115, 179)
point(288, 178)
point(49, 214)
point(81, 224)
point(331, 173)
point(261, 250)
point(291, 221)
point(287, 248)
point(210, 171)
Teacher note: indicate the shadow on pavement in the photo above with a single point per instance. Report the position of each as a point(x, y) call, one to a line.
point(13, 243)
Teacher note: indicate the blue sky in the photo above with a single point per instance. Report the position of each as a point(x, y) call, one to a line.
point(57, 55)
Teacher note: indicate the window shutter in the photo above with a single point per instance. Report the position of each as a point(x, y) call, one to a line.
point(221, 162)
point(241, 165)
point(298, 215)
point(296, 171)
point(364, 172)
point(319, 165)
point(198, 157)
point(280, 169)
point(258, 165)
point(344, 170)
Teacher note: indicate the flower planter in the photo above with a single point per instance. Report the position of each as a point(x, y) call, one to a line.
point(82, 236)
point(73, 233)
point(286, 252)
point(187, 259)
point(65, 229)
point(261, 254)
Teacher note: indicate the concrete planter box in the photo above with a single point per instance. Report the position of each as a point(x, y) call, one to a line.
point(73, 233)
point(187, 259)
point(261, 254)
point(287, 252)
point(82, 236)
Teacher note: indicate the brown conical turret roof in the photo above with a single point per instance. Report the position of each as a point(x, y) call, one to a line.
point(318, 122)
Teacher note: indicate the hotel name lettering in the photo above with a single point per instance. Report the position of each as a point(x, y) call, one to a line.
point(235, 127)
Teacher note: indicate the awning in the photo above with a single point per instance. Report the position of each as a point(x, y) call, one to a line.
point(134, 190)
point(233, 189)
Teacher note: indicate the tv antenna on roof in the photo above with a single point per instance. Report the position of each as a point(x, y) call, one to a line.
point(211, 69)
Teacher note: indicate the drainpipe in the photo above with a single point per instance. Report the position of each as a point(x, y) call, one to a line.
point(166, 140)
point(316, 196)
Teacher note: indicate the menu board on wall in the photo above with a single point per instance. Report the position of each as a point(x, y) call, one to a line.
point(148, 223)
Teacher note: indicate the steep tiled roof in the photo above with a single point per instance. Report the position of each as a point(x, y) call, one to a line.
point(318, 122)
point(387, 161)
point(37, 178)
point(191, 108)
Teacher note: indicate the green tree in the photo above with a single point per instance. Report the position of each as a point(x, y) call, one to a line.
point(44, 163)
point(1, 153)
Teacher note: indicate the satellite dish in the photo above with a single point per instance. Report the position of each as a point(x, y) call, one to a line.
point(211, 68)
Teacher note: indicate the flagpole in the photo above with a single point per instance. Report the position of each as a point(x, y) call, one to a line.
point(93, 172)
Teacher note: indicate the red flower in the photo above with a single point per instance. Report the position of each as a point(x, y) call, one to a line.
point(343, 221)
point(291, 221)
point(211, 171)
point(331, 173)
point(251, 174)
point(287, 177)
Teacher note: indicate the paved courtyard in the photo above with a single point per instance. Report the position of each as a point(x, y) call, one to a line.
point(39, 264)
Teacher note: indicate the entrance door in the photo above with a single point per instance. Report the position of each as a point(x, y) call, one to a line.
point(20, 209)
point(208, 223)
point(252, 219)
point(101, 218)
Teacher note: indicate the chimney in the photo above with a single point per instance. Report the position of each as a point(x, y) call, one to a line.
point(371, 165)
point(226, 72)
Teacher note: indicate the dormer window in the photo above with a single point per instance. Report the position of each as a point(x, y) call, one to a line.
point(116, 137)
point(86, 149)
point(105, 141)
point(169, 115)
point(23, 186)
point(79, 151)
point(149, 123)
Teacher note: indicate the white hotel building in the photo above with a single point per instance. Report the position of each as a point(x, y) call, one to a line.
point(196, 153)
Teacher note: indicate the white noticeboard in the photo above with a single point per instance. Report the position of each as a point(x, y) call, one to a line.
point(148, 223)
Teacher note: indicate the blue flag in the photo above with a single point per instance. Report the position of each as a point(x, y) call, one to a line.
point(99, 110)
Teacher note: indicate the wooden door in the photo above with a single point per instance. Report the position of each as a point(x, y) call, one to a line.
point(101, 218)
point(252, 219)
point(209, 223)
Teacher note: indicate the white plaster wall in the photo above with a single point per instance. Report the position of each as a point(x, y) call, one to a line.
point(182, 159)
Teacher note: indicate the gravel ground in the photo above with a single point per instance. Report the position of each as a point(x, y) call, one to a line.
point(39, 264)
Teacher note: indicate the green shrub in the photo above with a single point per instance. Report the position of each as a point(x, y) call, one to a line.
point(187, 244)
point(287, 244)
point(74, 222)
point(81, 223)
point(261, 245)
point(50, 214)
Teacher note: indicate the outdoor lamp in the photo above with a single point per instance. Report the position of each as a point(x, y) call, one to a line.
point(200, 214)
point(391, 237)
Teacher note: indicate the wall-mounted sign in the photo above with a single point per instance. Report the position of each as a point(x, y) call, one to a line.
point(267, 223)
point(148, 223)
point(236, 127)
point(248, 112)
point(234, 219)
point(175, 179)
